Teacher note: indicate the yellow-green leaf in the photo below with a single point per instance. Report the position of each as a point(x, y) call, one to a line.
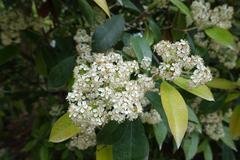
point(63, 129)
point(103, 4)
point(176, 111)
point(202, 91)
point(221, 36)
point(235, 123)
point(104, 152)
point(221, 83)
point(183, 8)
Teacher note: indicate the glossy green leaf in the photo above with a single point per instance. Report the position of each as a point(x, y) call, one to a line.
point(103, 4)
point(61, 73)
point(183, 8)
point(140, 47)
point(202, 91)
point(133, 144)
point(234, 123)
point(87, 11)
point(221, 83)
point(63, 129)
point(221, 36)
point(155, 29)
point(227, 139)
point(108, 34)
point(176, 111)
point(104, 152)
point(128, 4)
point(190, 146)
point(160, 132)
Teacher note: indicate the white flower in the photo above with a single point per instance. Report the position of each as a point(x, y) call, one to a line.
point(204, 16)
point(103, 90)
point(178, 62)
point(151, 117)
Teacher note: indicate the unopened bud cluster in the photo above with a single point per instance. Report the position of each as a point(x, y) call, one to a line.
point(177, 62)
point(204, 16)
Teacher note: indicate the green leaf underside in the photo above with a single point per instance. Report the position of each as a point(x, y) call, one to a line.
point(63, 129)
point(202, 91)
point(227, 139)
point(176, 111)
point(190, 146)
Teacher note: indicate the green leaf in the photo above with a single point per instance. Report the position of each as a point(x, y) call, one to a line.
point(110, 133)
point(63, 129)
point(41, 65)
point(44, 153)
point(7, 53)
point(176, 111)
point(155, 29)
point(227, 139)
point(221, 83)
point(183, 8)
point(221, 36)
point(212, 106)
point(108, 34)
point(202, 91)
point(227, 153)
point(206, 149)
point(61, 73)
point(103, 4)
point(234, 123)
point(160, 132)
point(190, 146)
point(87, 11)
point(128, 4)
point(133, 144)
point(104, 152)
point(140, 47)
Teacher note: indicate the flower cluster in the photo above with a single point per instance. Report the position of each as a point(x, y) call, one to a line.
point(106, 88)
point(204, 16)
point(151, 117)
point(213, 126)
point(225, 55)
point(11, 23)
point(177, 62)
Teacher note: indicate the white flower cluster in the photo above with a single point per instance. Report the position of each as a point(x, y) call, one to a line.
point(146, 63)
point(177, 61)
point(151, 117)
point(83, 48)
point(11, 23)
point(227, 56)
point(106, 88)
point(83, 140)
point(204, 16)
point(213, 126)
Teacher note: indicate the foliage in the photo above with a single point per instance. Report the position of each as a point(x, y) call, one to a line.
point(165, 50)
